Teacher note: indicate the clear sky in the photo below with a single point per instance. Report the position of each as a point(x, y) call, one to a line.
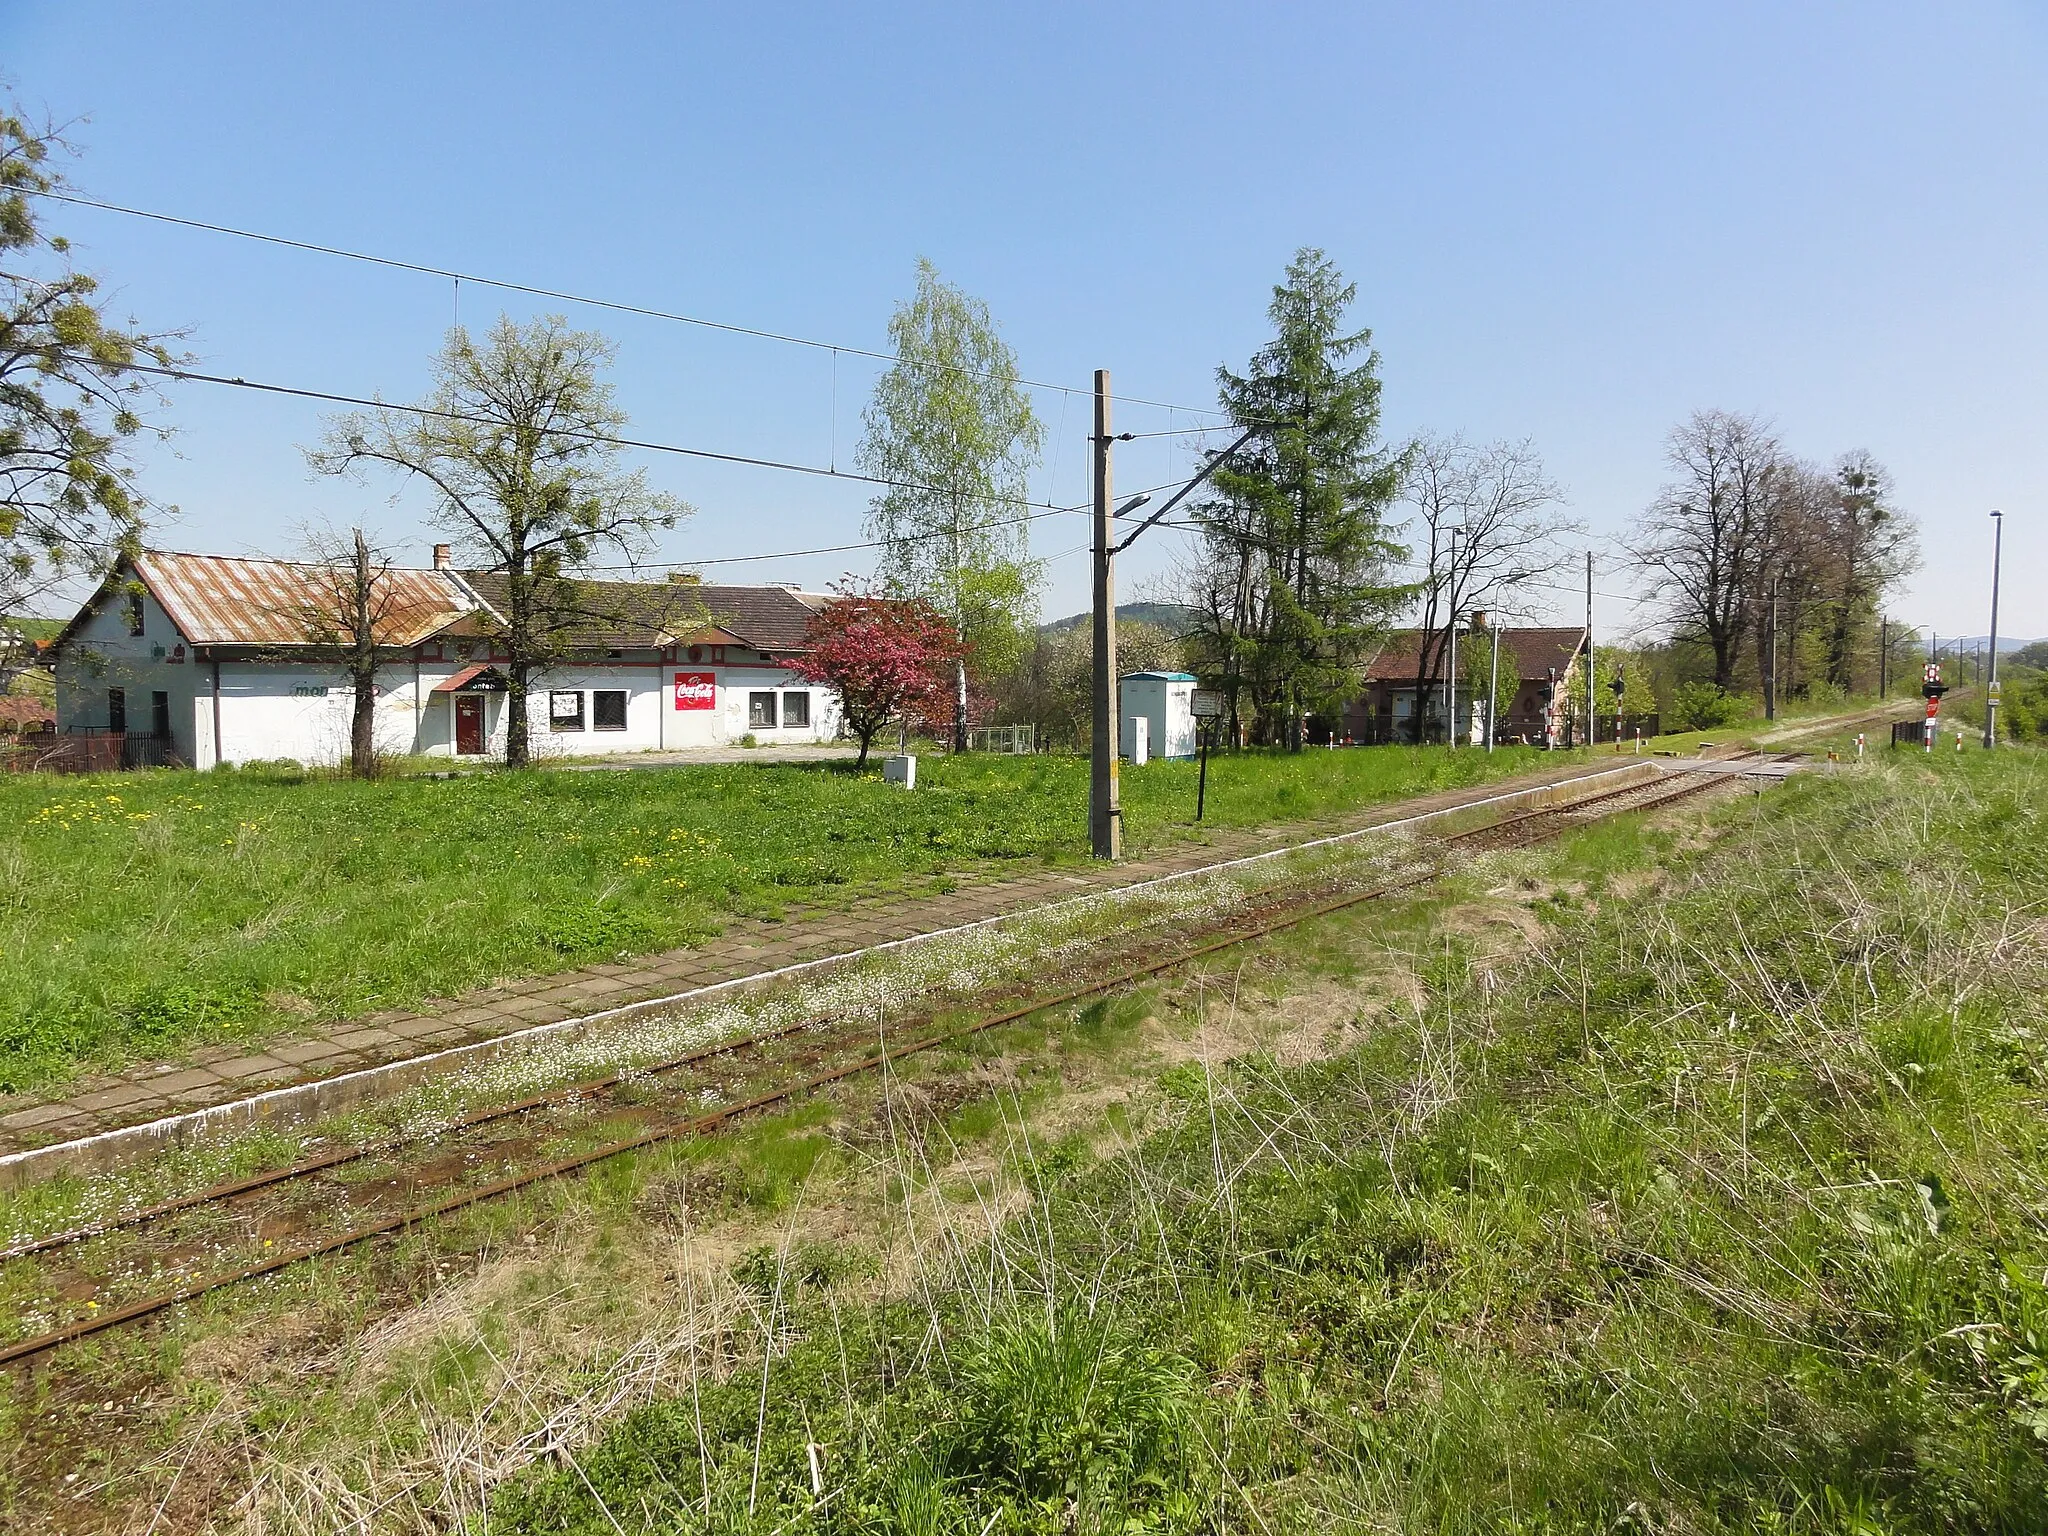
point(1570, 224)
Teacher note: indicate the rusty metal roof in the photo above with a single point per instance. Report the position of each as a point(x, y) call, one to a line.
point(225, 600)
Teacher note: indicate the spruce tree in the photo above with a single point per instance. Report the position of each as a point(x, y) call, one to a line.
point(1299, 554)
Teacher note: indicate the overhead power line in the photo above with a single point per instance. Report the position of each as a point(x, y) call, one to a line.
point(1044, 508)
point(193, 376)
point(399, 265)
point(841, 549)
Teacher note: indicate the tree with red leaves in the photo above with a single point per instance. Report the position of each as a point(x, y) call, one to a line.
point(884, 656)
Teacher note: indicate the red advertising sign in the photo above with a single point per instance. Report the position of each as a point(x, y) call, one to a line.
point(696, 690)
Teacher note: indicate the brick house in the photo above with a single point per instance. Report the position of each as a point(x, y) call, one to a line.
point(1546, 660)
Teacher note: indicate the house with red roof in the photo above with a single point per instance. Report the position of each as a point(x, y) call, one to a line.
point(1548, 661)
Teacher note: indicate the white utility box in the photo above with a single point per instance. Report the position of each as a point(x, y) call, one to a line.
point(900, 770)
point(1165, 702)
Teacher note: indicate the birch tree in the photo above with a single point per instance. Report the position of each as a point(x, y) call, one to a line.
point(952, 431)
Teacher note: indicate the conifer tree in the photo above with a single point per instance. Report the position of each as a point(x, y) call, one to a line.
point(1297, 579)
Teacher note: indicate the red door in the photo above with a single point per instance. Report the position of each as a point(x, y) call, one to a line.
point(469, 724)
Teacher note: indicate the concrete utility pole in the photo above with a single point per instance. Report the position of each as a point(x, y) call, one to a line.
point(1492, 686)
point(1884, 656)
point(1771, 668)
point(1991, 689)
point(1590, 715)
point(1105, 816)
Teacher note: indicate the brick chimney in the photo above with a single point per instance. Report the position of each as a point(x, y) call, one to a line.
point(444, 558)
point(1478, 621)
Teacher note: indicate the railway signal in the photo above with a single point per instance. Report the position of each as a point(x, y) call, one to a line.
point(1931, 689)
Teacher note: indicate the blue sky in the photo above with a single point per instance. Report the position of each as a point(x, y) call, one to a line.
point(1570, 226)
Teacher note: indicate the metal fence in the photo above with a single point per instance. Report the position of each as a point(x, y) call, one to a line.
point(86, 751)
point(1015, 740)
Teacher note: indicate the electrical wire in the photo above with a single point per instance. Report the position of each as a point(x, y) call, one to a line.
point(577, 298)
point(841, 549)
point(603, 439)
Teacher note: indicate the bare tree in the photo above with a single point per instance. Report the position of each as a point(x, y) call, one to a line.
point(352, 608)
point(1702, 542)
point(1490, 518)
point(1871, 545)
point(518, 445)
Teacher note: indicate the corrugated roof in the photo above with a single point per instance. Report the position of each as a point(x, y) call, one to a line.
point(1535, 651)
point(622, 615)
point(226, 600)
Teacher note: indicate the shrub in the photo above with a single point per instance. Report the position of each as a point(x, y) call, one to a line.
point(1704, 707)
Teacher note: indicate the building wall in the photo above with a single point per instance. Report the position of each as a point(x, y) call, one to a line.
point(271, 709)
point(102, 655)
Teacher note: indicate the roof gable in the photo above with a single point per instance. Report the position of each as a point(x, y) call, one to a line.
point(229, 600)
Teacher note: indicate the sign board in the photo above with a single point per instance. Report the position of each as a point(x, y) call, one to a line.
point(566, 706)
point(696, 690)
point(1207, 703)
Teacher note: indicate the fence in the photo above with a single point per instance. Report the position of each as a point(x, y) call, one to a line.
point(1015, 740)
point(89, 751)
point(1614, 728)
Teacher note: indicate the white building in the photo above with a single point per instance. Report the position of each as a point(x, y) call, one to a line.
point(201, 659)
point(1166, 702)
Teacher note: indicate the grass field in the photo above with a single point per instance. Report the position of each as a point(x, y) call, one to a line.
point(1722, 1214)
point(143, 913)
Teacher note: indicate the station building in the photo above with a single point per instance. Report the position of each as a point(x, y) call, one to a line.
point(205, 659)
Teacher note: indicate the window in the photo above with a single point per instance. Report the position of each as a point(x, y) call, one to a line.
point(608, 709)
point(117, 709)
point(796, 709)
point(761, 711)
point(565, 711)
point(160, 716)
point(134, 613)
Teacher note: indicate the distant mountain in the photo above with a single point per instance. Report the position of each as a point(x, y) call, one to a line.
point(1174, 618)
point(2006, 642)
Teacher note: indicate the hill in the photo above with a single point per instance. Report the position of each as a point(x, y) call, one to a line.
point(1175, 618)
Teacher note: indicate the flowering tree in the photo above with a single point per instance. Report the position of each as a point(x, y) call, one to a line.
point(884, 657)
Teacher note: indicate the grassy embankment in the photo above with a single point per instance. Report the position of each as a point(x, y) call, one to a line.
point(144, 913)
point(1649, 1182)
point(1724, 1213)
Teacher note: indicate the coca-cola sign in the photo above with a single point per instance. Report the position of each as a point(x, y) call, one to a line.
point(696, 690)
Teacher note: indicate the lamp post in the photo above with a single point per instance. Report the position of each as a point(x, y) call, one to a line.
point(1991, 684)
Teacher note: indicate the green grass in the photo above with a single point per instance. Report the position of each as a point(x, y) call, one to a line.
point(1723, 1212)
point(140, 914)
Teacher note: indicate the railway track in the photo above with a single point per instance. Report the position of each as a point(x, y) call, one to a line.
point(817, 1044)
